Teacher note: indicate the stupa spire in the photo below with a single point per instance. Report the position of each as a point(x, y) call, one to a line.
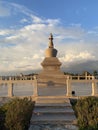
point(51, 41)
point(50, 51)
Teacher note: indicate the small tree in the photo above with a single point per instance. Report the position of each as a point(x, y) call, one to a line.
point(95, 73)
point(19, 113)
point(87, 113)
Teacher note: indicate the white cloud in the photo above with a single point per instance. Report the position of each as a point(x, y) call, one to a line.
point(4, 32)
point(23, 48)
point(37, 19)
point(24, 20)
point(36, 56)
point(74, 56)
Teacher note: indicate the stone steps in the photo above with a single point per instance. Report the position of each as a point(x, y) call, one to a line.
point(51, 111)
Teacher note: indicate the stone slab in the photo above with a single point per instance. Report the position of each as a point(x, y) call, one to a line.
point(54, 118)
point(53, 127)
point(53, 110)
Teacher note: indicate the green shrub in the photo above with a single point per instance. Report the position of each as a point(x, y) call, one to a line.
point(73, 103)
point(2, 118)
point(87, 113)
point(18, 114)
point(3, 110)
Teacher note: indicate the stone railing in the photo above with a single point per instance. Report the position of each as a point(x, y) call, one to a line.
point(17, 78)
point(11, 80)
point(82, 77)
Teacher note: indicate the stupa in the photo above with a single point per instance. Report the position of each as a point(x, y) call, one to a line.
point(51, 75)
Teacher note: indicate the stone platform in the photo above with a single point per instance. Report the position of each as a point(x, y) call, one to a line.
point(51, 90)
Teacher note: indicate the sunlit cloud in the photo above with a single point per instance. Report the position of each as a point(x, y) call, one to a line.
point(22, 48)
point(81, 56)
point(24, 20)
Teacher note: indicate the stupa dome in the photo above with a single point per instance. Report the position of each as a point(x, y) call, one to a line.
point(50, 51)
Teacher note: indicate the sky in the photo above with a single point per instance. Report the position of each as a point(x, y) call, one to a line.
point(25, 26)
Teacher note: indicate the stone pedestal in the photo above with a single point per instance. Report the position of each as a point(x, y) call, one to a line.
point(51, 74)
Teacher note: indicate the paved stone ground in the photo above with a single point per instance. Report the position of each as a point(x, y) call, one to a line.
point(53, 127)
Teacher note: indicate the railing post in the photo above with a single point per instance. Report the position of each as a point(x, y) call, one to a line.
point(68, 84)
point(93, 86)
point(0, 77)
point(78, 77)
point(85, 75)
point(10, 89)
point(35, 93)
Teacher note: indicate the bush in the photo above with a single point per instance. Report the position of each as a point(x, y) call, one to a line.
point(87, 113)
point(2, 118)
point(18, 114)
point(73, 102)
point(3, 110)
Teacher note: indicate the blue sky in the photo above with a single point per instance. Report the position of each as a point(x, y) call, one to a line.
point(25, 26)
point(82, 12)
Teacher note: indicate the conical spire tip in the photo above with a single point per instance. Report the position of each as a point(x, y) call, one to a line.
point(51, 40)
point(51, 37)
